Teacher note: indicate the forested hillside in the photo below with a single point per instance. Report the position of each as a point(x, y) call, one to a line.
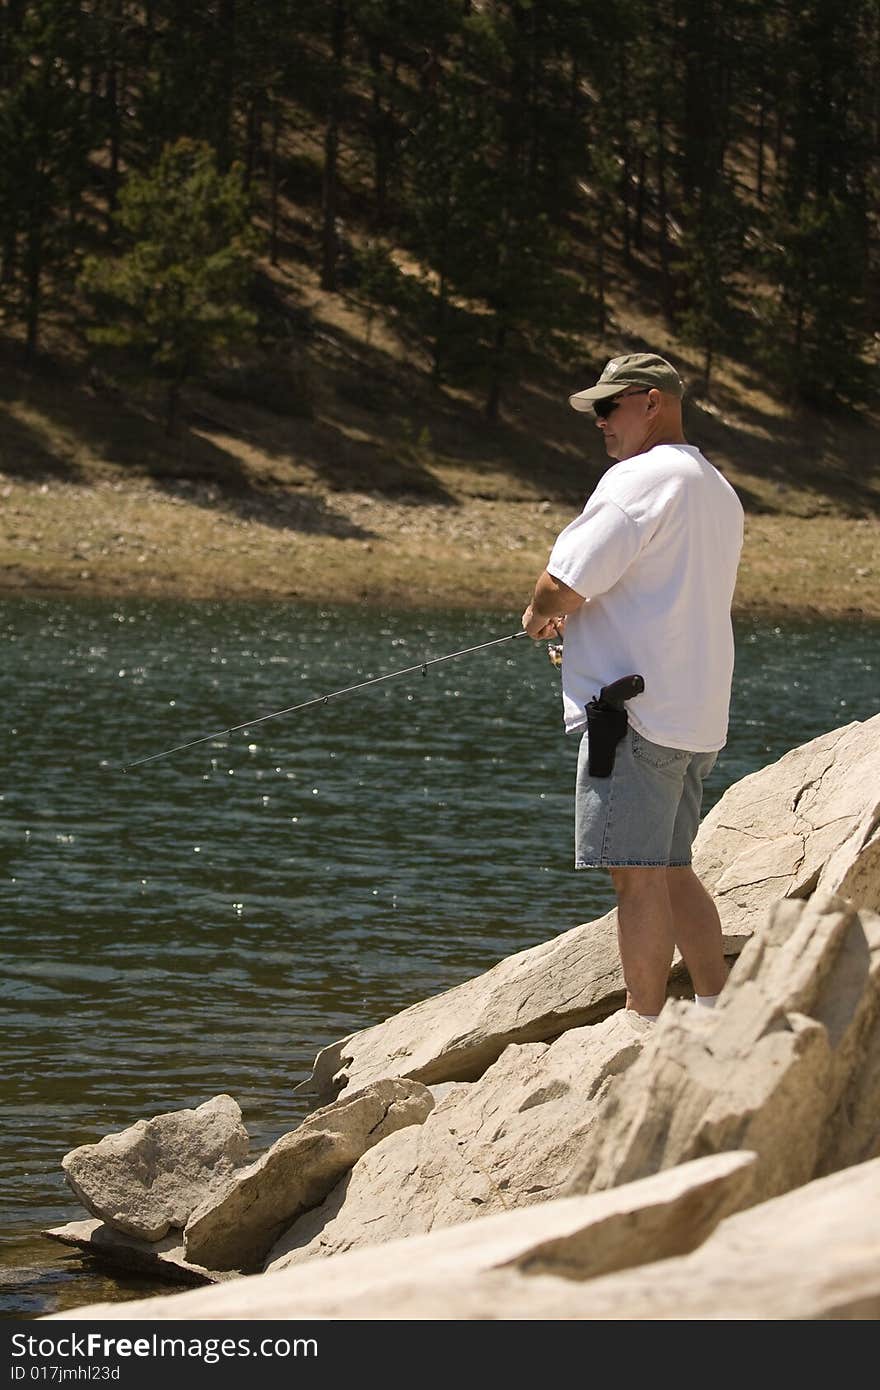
point(490, 195)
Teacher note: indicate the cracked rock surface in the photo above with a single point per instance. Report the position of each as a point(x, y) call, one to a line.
point(812, 1254)
point(236, 1227)
point(787, 1064)
point(577, 1238)
point(778, 832)
point(505, 1141)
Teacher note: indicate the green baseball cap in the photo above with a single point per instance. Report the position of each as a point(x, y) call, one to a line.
point(635, 369)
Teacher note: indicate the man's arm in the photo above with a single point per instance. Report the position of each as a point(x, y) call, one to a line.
point(551, 601)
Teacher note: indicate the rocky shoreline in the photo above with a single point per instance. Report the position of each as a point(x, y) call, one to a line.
point(521, 1146)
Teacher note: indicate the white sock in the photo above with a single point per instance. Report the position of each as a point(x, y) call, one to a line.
point(649, 1018)
point(708, 1001)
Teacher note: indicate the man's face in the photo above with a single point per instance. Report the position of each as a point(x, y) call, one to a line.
point(625, 421)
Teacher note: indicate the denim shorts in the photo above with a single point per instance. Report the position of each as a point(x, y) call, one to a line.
point(646, 813)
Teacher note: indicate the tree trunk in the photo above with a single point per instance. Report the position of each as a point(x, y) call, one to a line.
point(172, 407)
point(10, 257)
point(225, 95)
point(625, 206)
point(441, 318)
point(779, 136)
point(601, 307)
point(33, 281)
point(438, 354)
point(626, 152)
point(115, 86)
point(380, 148)
point(115, 139)
point(762, 120)
point(252, 141)
point(663, 218)
point(639, 228)
point(111, 96)
point(496, 372)
point(273, 182)
point(329, 195)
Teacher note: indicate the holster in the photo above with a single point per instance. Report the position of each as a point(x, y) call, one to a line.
point(606, 726)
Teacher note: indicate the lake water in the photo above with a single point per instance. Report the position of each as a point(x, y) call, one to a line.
point(207, 922)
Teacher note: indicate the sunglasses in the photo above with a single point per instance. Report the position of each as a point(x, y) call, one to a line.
point(602, 409)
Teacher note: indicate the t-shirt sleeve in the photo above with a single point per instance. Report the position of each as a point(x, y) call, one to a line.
point(593, 551)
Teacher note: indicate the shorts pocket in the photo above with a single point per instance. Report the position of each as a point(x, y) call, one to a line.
point(657, 754)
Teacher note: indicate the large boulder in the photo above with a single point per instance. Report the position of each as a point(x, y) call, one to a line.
point(787, 1064)
point(578, 1238)
point(853, 870)
point(812, 814)
point(782, 830)
point(811, 1254)
point(151, 1177)
point(235, 1228)
point(507, 1140)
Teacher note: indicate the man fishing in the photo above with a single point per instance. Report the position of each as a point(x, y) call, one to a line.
point(641, 583)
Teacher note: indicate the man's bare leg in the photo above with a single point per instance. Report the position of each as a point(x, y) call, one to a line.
point(697, 931)
point(645, 935)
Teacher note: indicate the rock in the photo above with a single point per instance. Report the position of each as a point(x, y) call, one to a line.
point(771, 836)
point(150, 1177)
point(235, 1228)
point(163, 1258)
point(442, 1090)
point(579, 1238)
point(787, 1064)
point(775, 833)
point(812, 1254)
point(507, 1140)
point(853, 870)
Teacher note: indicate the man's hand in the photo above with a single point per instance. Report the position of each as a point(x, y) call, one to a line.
point(551, 602)
point(539, 627)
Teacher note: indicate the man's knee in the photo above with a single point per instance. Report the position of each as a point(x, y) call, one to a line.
point(635, 880)
point(682, 879)
point(679, 875)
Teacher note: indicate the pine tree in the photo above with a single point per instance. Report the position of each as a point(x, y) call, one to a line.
point(711, 255)
point(176, 294)
point(45, 135)
point(812, 328)
point(491, 165)
point(817, 237)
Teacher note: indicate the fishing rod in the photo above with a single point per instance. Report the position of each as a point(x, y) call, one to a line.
point(323, 699)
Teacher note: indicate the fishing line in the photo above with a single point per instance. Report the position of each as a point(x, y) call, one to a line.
point(323, 699)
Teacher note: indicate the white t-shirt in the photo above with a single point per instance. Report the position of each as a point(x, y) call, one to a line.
point(655, 553)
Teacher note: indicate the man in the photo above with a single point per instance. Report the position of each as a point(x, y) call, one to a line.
point(643, 581)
